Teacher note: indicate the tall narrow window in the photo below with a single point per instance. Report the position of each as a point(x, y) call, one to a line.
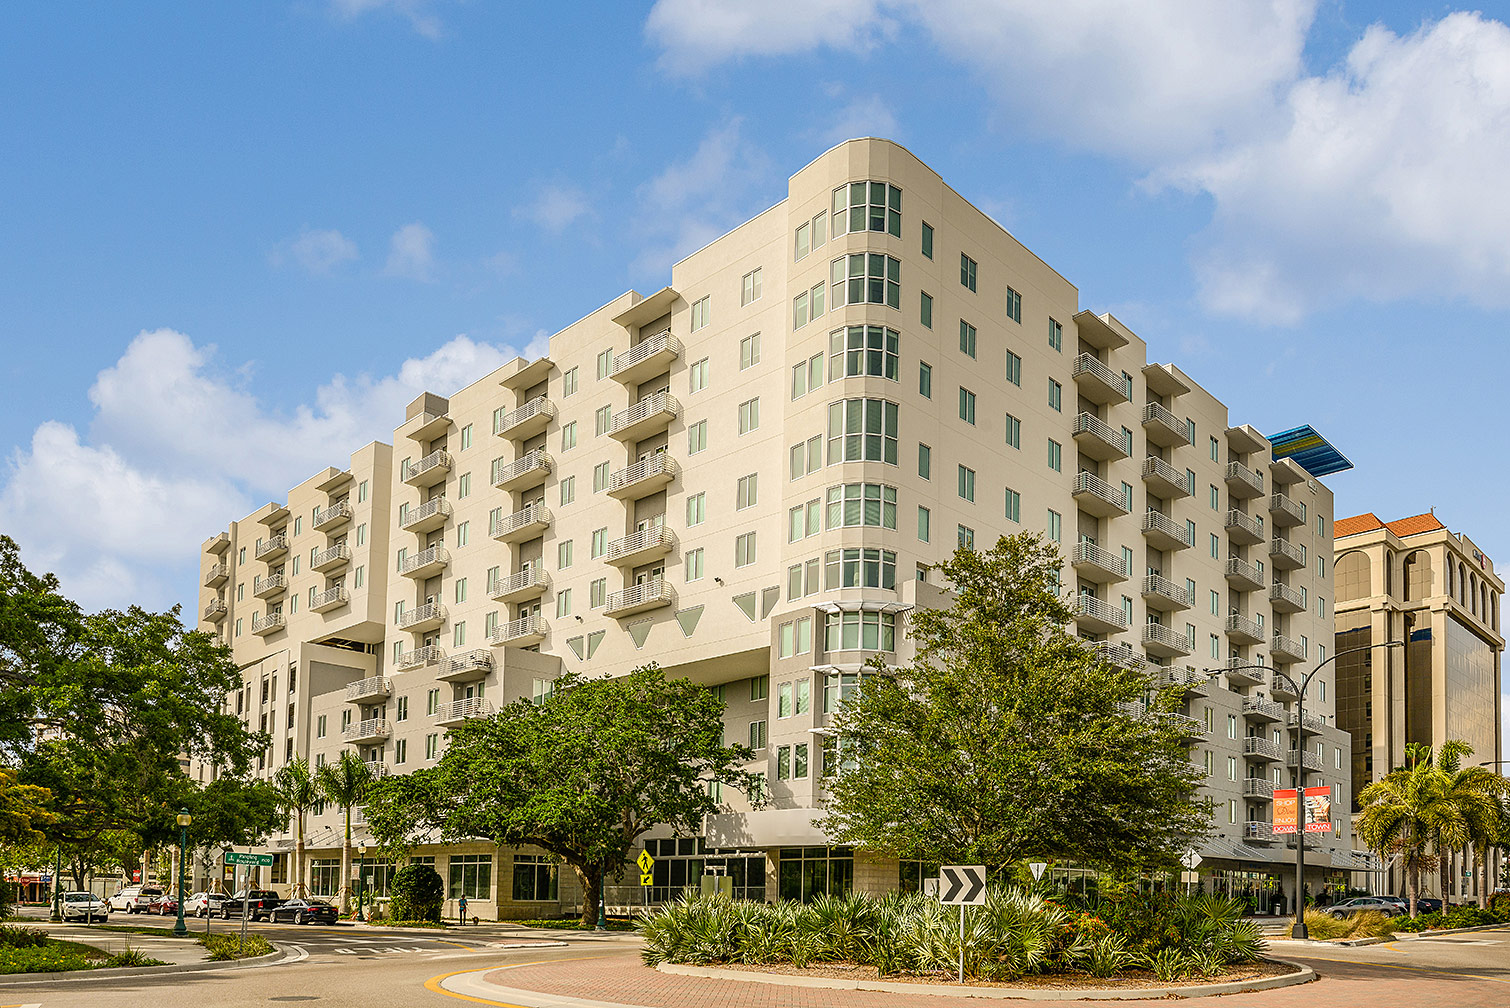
point(967, 271)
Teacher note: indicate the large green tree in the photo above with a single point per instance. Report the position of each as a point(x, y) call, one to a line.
point(39, 631)
point(1006, 739)
point(582, 774)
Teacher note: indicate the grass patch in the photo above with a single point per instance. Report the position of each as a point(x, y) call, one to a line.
point(574, 924)
point(223, 947)
point(134, 929)
point(413, 924)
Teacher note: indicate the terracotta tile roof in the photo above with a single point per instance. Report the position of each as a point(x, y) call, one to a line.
point(1414, 524)
point(1365, 522)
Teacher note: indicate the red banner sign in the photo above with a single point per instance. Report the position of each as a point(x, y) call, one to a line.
point(1318, 806)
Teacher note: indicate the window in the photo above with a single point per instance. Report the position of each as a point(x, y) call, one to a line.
point(965, 537)
point(605, 364)
point(1216, 547)
point(927, 239)
point(1216, 605)
point(602, 420)
point(925, 309)
point(804, 241)
point(432, 746)
point(925, 380)
point(597, 593)
point(857, 631)
point(1056, 451)
point(745, 492)
point(749, 415)
point(859, 568)
point(1056, 526)
point(361, 494)
point(1014, 505)
point(563, 602)
point(967, 483)
point(862, 504)
point(700, 313)
point(967, 271)
point(569, 383)
point(1014, 306)
point(807, 305)
point(1056, 335)
point(807, 376)
point(459, 634)
point(866, 278)
point(697, 376)
point(799, 756)
point(432, 702)
point(967, 405)
point(564, 554)
point(804, 579)
point(697, 511)
point(925, 461)
point(803, 520)
point(320, 726)
point(1216, 646)
point(923, 519)
point(1216, 448)
point(1014, 431)
point(864, 350)
point(692, 561)
point(1216, 498)
point(744, 550)
point(760, 687)
point(749, 351)
point(966, 338)
point(868, 206)
point(471, 876)
point(599, 543)
point(862, 430)
point(806, 457)
point(568, 489)
point(1014, 369)
point(796, 638)
point(697, 436)
point(463, 533)
point(1056, 395)
point(461, 590)
point(757, 732)
point(1232, 768)
point(463, 485)
point(358, 577)
point(600, 477)
point(535, 878)
point(749, 287)
point(362, 534)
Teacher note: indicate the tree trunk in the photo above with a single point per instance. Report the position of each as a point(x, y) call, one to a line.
point(590, 877)
point(298, 888)
point(1413, 884)
point(346, 868)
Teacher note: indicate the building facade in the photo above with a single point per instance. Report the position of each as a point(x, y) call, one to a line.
point(743, 476)
point(1415, 581)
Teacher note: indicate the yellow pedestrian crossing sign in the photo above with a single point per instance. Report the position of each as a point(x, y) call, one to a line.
point(646, 862)
point(646, 879)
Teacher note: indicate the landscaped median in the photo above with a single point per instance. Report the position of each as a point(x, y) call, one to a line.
point(31, 950)
point(37, 952)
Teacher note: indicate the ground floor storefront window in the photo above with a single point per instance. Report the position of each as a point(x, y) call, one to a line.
point(324, 876)
point(535, 877)
point(910, 875)
point(806, 873)
point(1260, 892)
point(681, 862)
point(471, 876)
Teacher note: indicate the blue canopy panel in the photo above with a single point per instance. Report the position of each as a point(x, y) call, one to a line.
point(1310, 450)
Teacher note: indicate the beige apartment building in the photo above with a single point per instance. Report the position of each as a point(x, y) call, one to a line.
point(742, 477)
point(1413, 580)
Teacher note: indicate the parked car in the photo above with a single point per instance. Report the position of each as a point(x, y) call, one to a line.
point(1424, 904)
point(258, 903)
point(204, 904)
point(84, 906)
point(134, 899)
point(167, 903)
point(298, 911)
point(1387, 905)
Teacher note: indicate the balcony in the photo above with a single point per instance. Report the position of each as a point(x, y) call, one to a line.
point(1244, 576)
point(1119, 653)
point(457, 711)
point(1166, 642)
point(643, 478)
point(1099, 383)
point(1310, 724)
point(650, 356)
point(1284, 688)
point(426, 517)
point(330, 598)
point(1243, 530)
point(1258, 832)
point(425, 426)
point(375, 769)
point(425, 563)
point(368, 690)
point(1312, 761)
point(528, 583)
point(1286, 651)
point(1242, 672)
point(1164, 533)
point(421, 618)
point(273, 548)
point(1257, 787)
point(333, 517)
point(263, 625)
point(640, 598)
point(370, 730)
point(270, 586)
point(527, 471)
point(650, 415)
point(528, 420)
point(1099, 439)
point(1164, 480)
point(1242, 481)
point(216, 575)
point(1095, 496)
point(1258, 748)
point(1285, 555)
point(1097, 565)
point(215, 611)
point(1286, 599)
point(466, 667)
point(640, 546)
point(1259, 709)
point(330, 558)
point(1097, 615)
point(1286, 511)
point(1242, 630)
point(1187, 726)
point(1187, 681)
point(430, 654)
point(519, 633)
point(522, 525)
point(428, 471)
point(1163, 428)
point(1164, 595)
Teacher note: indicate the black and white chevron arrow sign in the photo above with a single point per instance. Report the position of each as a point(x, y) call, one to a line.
point(962, 885)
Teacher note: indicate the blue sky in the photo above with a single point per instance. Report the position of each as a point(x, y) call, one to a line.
point(286, 218)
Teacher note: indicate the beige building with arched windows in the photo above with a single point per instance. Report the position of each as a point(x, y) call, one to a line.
point(1414, 580)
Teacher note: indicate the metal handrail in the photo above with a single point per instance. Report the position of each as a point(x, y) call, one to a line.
point(419, 614)
point(1090, 553)
point(340, 509)
point(658, 464)
point(660, 402)
point(1279, 547)
point(535, 407)
point(1153, 584)
point(1091, 483)
point(529, 515)
point(536, 459)
point(1089, 605)
point(653, 590)
point(372, 686)
point(651, 537)
point(1086, 364)
point(370, 728)
point(439, 457)
point(336, 594)
point(1158, 633)
point(1155, 413)
point(277, 542)
point(340, 551)
point(1284, 593)
point(1294, 508)
point(1090, 423)
point(524, 626)
point(430, 508)
point(1155, 466)
point(533, 576)
point(430, 654)
point(435, 554)
point(1158, 521)
point(1240, 472)
point(646, 348)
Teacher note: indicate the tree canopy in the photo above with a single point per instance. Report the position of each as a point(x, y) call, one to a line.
point(1007, 739)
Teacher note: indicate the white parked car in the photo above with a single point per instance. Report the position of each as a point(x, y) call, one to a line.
point(135, 898)
point(84, 906)
point(204, 904)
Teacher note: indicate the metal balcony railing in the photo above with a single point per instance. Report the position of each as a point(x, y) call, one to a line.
point(1242, 672)
point(1181, 678)
point(216, 610)
point(329, 599)
point(1090, 424)
point(1087, 607)
point(1243, 528)
point(421, 614)
point(277, 544)
point(537, 462)
point(436, 554)
point(437, 507)
point(460, 710)
point(480, 660)
point(1261, 748)
point(1294, 511)
point(1157, 521)
point(1088, 554)
point(1287, 553)
point(1241, 626)
point(1163, 427)
point(531, 578)
point(440, 458)
point(537, 409)
point(372, 728)
point(659, 464)
point(330, 555)
point(661, 343)
point(270, 585)
point(1114, 499)
point(216, 574)
point(1313, 724)
point(1167, 638)
point(1242, 574)
point(368, 689)
point(268, 623)
point(1282, 646)
point(1119, 653)
point(1258, 831)
point(534, 514)
point(1163, 476)
point(533, 627)
point(430, 654)
point(1284, 597)
point(1263, 710)
point(655, 538)
point(1163, 588)
point(661, 404)
point(643, 595)
point(1244, 480)
point(1257, 787)
point(1312, 760)
point(1087, 366)
point(338, 512)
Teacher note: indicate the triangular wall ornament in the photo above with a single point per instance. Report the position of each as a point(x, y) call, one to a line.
point(746, 604)
point(688, 619)
point(639, 631)
point(593, 640)
point(576, 644)
point(768, 599)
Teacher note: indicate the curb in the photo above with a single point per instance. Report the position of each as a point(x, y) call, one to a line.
point(278, 955)
point(1302, 974)
point(1416, 935)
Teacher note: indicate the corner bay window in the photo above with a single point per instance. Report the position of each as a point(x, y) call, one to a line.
point(868, 206)
point(873, 504)
point(864, 350)
point(865, 278)
point(862, 430)
point(859, 568)
point(859, 631)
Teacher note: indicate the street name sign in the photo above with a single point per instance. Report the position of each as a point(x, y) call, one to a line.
point(236, 857)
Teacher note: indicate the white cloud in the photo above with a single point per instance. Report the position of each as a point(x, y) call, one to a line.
point(316, 252)
point(555, 207)
point(411, 253)
point(178, 447)
point(697, 34)
point(416, 12)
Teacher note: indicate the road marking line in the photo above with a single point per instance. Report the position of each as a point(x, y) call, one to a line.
point(1418, 969)
point(435, 983)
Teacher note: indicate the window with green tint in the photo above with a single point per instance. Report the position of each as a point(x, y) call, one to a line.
point(925, 380)
point(1014, 505)
point(1014, 368)
point(925, 310)
point(927, 239)
point(1014, 305)
point(967, 271)
point(966, 338)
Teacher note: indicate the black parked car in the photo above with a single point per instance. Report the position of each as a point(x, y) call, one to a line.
point(1424, 904)
point(298, 911)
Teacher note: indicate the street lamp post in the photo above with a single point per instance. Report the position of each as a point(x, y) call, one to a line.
point(361, 879)
point(179, 930)
point(602, 894)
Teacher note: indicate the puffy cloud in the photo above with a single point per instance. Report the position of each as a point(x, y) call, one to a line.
point(555, 207)
point(697, 34)
point(318, 253)
point(411, 253)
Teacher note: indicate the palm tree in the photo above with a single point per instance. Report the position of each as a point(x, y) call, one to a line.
point(298, 792)
point(1479, 791)
point(344, 784)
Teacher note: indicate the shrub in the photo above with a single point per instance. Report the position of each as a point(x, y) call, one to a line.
point(16, 936)
point(418, 894)
point(130, 957)
point(1324, 927)
point(227, 946)
point(1106, 956)
point(53, 957)
point(1169, 964)
point(1370, 924)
